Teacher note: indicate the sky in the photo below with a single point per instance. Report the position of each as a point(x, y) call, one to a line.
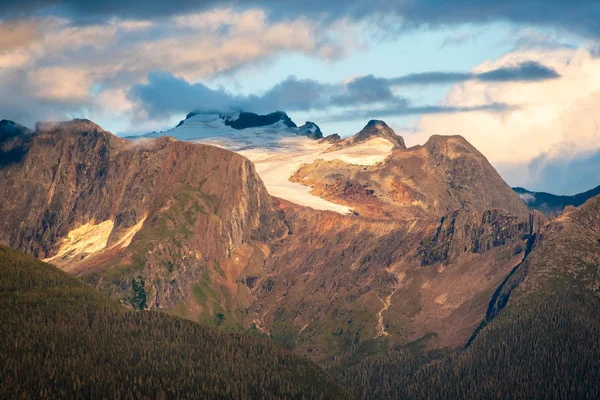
point(518, 79)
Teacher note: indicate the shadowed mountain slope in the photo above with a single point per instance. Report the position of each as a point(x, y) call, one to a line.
point(551, 204)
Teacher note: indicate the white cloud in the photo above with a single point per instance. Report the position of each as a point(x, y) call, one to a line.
point(85, 66)
point(558, 118)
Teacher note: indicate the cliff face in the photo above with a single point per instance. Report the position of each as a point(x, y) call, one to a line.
point(152, 215)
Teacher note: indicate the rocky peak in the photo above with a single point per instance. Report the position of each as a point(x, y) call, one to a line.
point(373, 129)
point(331, 139)
point(251, 120)
point(377, 128)
point(311, 130)
point(11, 129)
point(73, 126)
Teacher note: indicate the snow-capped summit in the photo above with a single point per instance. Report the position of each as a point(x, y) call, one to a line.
point(238, 130)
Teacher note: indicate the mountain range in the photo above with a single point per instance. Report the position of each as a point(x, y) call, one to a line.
point(403, 272)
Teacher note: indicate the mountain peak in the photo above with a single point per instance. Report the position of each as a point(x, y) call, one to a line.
point(311, 130)
point(11, 128)
point(378, 128)
point(75, 125)
point(373, 129)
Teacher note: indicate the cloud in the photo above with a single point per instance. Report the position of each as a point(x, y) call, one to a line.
point(526, 71)
point(17, 34)
point(556, 118)
point(68, 67)
point(580, 16)
point(557, 175)
point(164, 95)
point(361, 98)
point(366, 90)
point(406, 108)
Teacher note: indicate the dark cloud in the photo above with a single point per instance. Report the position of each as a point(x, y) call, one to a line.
point(90, 10)
point(165, 95)
point(579, 16)
point(529, 71)
point(525, 72)
point(366, 90)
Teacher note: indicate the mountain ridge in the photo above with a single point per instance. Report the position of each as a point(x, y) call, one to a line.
point(551, 204)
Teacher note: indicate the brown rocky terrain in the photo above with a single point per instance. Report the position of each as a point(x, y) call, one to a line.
point(143, 220)
point(373, 129)
point(190, 229)
point(443, 175)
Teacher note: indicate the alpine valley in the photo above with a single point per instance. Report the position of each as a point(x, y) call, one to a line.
point(240, 255)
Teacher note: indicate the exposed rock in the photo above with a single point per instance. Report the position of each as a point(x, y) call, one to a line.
point(373, 129)
point(331, 139)
point(471, 232)
point(249, 120)
point(165, 210)
point(311, 130)
point(444, 175)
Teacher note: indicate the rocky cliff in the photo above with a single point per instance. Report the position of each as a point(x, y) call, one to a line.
point(142, 220)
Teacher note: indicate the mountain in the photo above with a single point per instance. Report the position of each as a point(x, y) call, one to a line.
point(60, 339)
point(189, 228)
point(149, 222)
point(539, 338)
point(238, 129)
point(373, 129)
point(551, 204)
point(370, 258)
point(443, 175)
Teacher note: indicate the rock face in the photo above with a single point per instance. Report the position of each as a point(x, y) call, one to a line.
point(373, 129)
point(141, 220)
point(250, 120)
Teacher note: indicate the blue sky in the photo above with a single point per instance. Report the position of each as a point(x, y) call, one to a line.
point(519, 79)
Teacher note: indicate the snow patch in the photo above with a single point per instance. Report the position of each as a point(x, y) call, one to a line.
point(85, 240)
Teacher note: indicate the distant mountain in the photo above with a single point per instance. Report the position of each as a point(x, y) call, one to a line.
point(61, 339)
point(551, 204)
point(373, 129)
point(238, 129)
point(445, 174)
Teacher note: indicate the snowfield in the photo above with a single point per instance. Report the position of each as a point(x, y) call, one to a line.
point(278, 151)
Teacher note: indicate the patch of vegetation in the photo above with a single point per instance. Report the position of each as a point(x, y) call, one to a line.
point(138, 290)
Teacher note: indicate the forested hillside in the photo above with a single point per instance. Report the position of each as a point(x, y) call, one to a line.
point(61, 339)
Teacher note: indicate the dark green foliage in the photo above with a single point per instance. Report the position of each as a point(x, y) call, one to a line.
point(547, 347)
point(138, 288)
point(61, 339)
